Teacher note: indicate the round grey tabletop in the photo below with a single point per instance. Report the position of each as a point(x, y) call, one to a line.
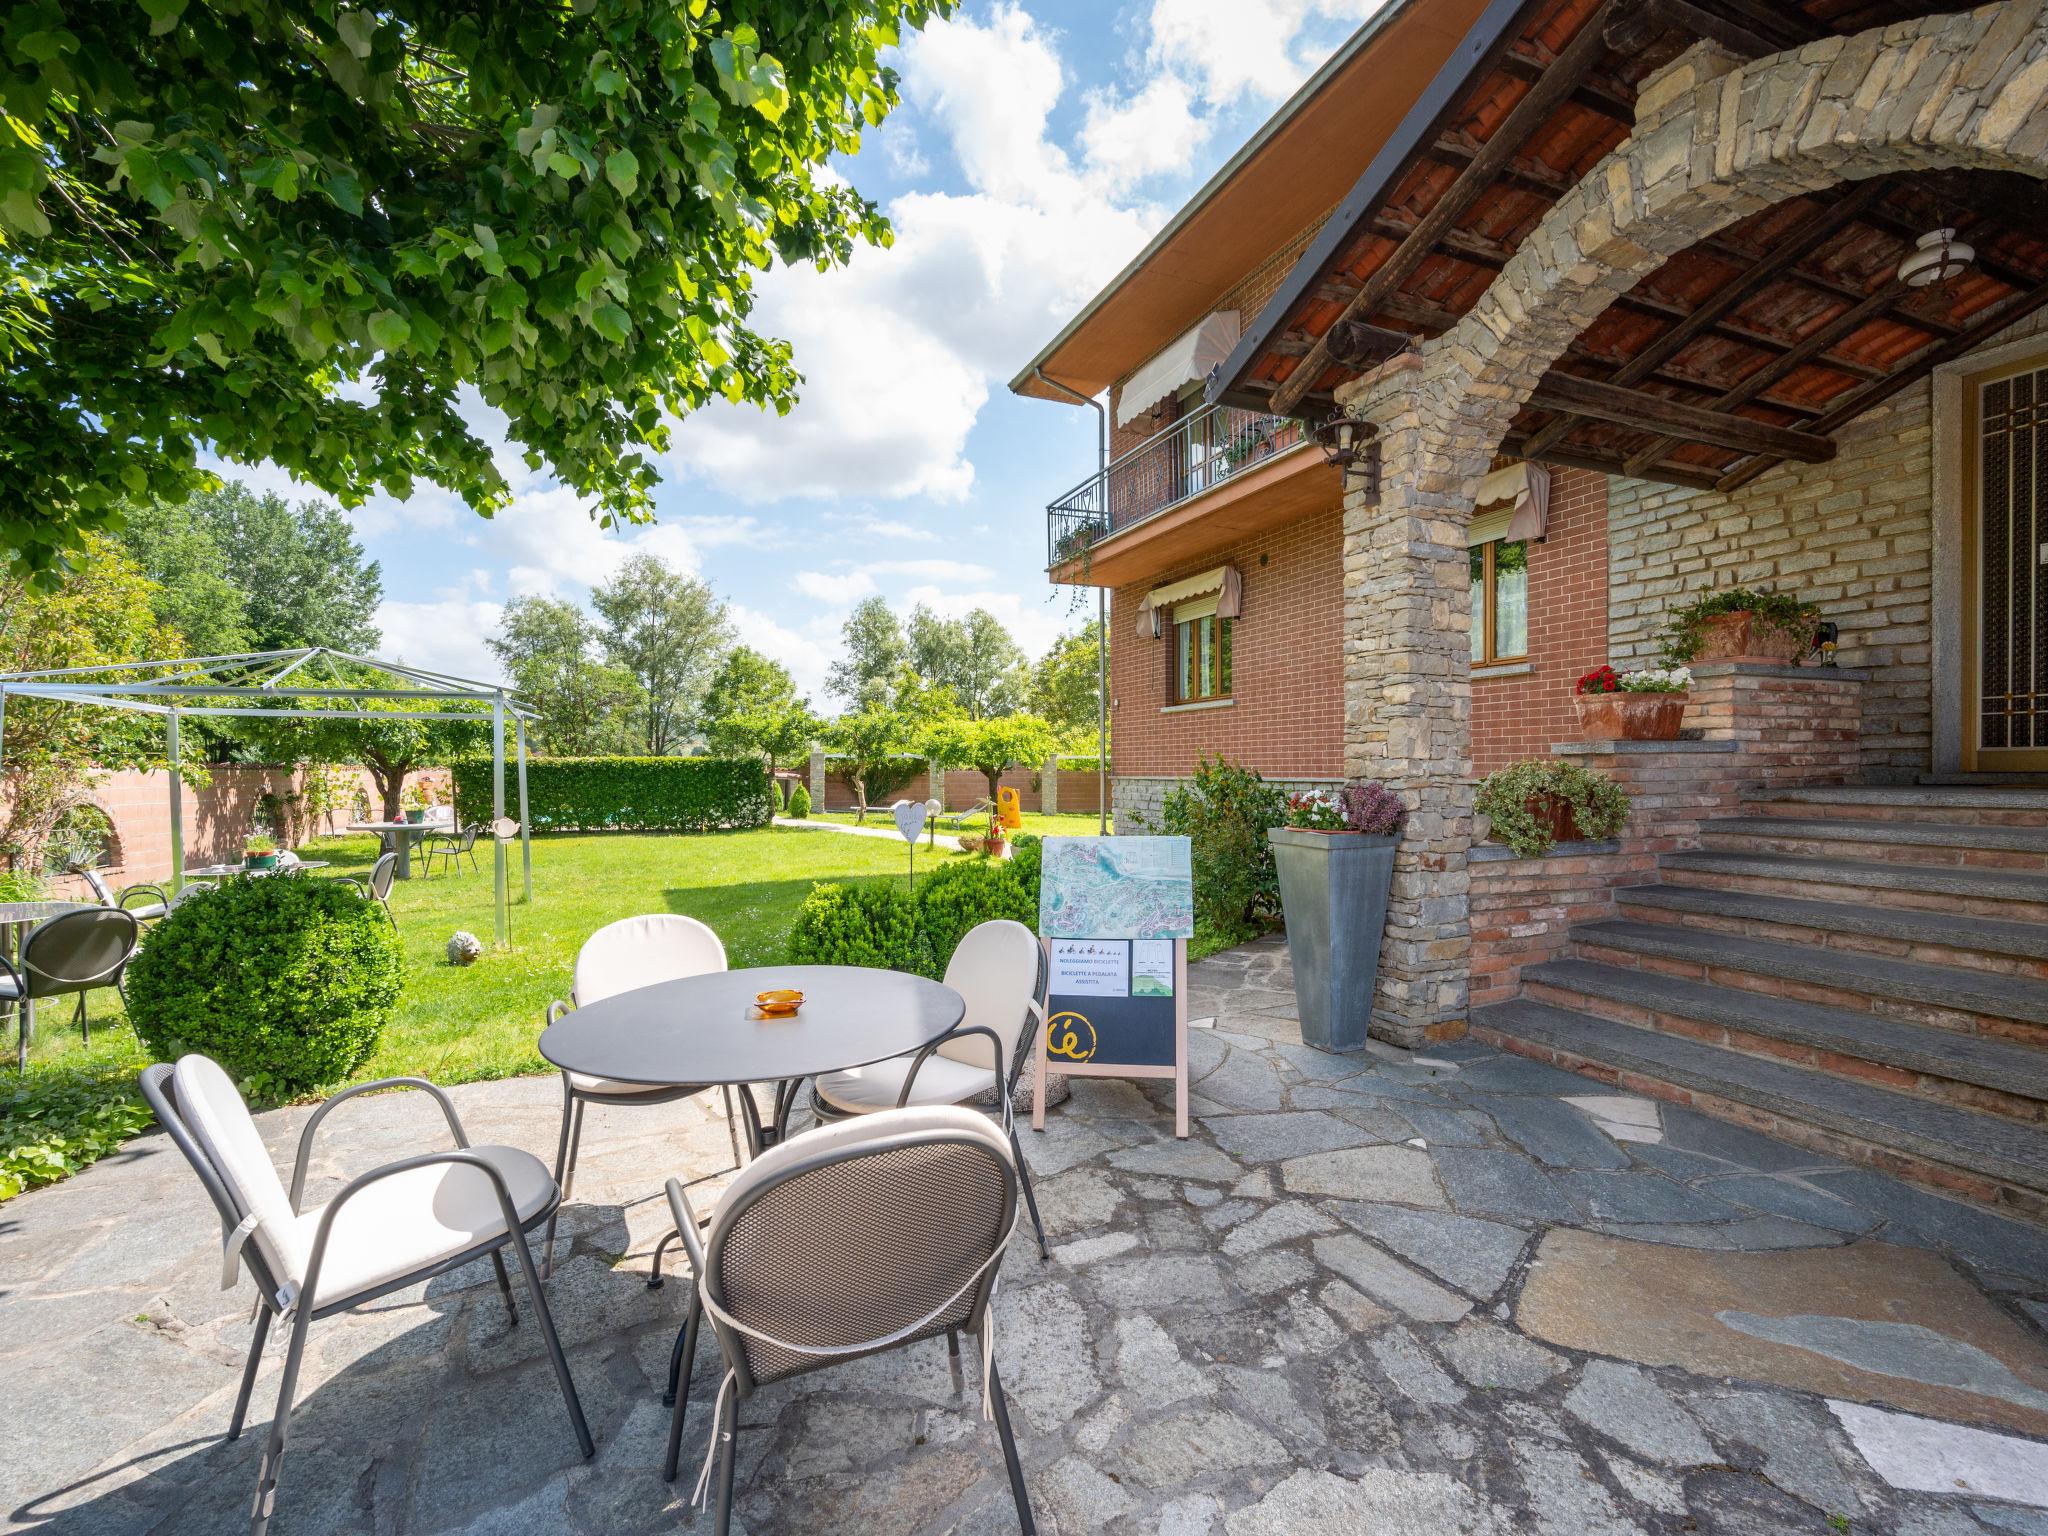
point(699, 1029)
point(14, 913)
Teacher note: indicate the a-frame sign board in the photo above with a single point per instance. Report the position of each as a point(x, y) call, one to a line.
point(1115, 915)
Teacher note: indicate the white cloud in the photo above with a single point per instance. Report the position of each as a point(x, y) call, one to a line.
point(447, 635)
point(1033, 622)
point(1127, 139)
point(841, 590)
point(1260, 48)
point(807, 652)
point(930, 570)
point(894, 528)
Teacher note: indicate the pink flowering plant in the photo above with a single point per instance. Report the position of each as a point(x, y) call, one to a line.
point(1360, 806)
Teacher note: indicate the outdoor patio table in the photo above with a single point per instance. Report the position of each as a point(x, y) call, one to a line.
point(223, 871)
point(702, 1029)
point(399, 836)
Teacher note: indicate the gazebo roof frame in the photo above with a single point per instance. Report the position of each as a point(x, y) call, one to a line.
point(162, 686)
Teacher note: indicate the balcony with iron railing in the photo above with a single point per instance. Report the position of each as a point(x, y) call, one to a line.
point(1196, 455)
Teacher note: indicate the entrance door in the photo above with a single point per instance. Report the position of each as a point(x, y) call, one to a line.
point(2006, 611)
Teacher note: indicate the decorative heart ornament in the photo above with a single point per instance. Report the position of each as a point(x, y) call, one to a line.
point(910, 815)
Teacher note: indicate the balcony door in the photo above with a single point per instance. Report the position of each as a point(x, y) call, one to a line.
point(2005, 613)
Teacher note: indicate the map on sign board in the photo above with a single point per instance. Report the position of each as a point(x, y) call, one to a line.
point(1116, 887)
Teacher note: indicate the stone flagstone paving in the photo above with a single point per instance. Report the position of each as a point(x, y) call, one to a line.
point(1419, 1295)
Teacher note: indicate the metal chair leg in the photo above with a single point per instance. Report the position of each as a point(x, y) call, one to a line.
point(273, 1446)
point(654, 1275)
point(1016, 1470)
point(249, 1370)
point(28, 1032)
point(504, 1285)
point(565, 1149)
point(681, 1363)
point(554, 1344)
point(1030, 1199)
point(732, 1124)
point(728, 1454)
point(84, 1024)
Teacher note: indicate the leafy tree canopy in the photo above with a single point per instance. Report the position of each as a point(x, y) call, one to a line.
point(989, 746)
point(670, 632)
point(1063, 683)
point(974, 656)
point(752, 707)
point(548, 648)
point(876, 747)
point(876, 653)
point(391, 744)
point(293, 231)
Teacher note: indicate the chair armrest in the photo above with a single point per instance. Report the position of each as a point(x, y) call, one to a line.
point(1035, 1011)
point(686, 1226)
point(313, 1124)
point(310, 1286)
point(961, 1032)
point(144, 888)
point(558, 1008)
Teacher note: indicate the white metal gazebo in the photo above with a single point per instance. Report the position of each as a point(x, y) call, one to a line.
point(284, 685)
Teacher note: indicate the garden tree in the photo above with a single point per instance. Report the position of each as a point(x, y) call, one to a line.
point(301, 570)
point(752, 707)
point(875, 745)
point(974, 656)
point(989, 746)
point(669, 632)
point(549, 651)
point(1063, 682)
point(103, 612)
point(196, 594)
point(391, 744)
point(294, 232)
point(875, 654)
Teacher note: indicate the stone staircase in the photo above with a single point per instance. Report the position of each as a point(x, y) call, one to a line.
point(1863, 970)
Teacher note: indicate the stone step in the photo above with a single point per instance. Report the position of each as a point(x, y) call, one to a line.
point(2012, 895)
point(1939, 937)
point(1908, 796)
point(1911, 842)
point(1956, 1149)
point(1858, 1035)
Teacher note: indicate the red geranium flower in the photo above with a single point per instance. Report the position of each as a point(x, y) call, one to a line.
point(1602, 679)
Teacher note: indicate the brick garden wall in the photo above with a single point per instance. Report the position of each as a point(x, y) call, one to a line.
point(1519, 715)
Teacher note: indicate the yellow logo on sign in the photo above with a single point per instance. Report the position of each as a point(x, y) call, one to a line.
point(1070, 1037)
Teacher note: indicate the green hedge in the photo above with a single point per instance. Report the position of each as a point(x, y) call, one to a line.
point(880, 924)
point(624, 794)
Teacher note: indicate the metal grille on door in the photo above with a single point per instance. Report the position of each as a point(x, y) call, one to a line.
point(2013, 548)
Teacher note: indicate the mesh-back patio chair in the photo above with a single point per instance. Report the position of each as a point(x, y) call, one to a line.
point(378, 887)
point(632, 952)
point(999, 969)
point(843, 1242)
point(386, 1229)
point(68, 954)
point(450, 846)
point(155, 900)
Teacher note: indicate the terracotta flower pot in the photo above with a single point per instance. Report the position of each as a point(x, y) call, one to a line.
point(1560, 818)
point(1630, 716)
point(1744, 637)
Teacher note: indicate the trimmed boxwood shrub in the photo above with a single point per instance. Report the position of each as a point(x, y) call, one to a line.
point(960, 895)
point(800, 803)
point(287, 982)
point(867, 924)
point(625, 794)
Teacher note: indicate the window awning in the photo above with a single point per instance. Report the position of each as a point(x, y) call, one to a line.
point(1225, 581)
point(1188, 359)
point(1513, 503)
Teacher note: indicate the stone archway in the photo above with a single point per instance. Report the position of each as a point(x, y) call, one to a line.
point(1967, 90)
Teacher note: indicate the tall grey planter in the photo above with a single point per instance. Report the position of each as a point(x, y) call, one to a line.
point(1333, 894)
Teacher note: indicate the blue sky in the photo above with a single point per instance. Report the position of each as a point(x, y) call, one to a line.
point(1039, 145)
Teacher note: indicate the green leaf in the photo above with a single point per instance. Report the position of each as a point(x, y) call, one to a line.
point(357, 28)
point(389, 330)
point(622, 170)
point(346, 193)
point(566, 166)
point(611, 322)
point(163, 15)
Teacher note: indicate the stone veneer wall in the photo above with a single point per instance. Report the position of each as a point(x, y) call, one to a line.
point(1764, 726)
point(1857, 536)
point(1136, 804)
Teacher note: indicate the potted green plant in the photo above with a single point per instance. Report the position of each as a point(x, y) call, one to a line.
point(1644, 705)
point(1536, 805)
point(259, 852)
point(1335, 861)
point(1742, 624)
point(415, 802)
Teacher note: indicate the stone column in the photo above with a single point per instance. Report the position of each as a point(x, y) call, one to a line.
point(1408, 685)
point(1049, 786)
point(817, 778)
point(935, 776)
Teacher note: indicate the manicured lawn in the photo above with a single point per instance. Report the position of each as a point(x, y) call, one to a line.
point(457, 1024)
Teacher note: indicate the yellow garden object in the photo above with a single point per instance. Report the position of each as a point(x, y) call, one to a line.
point(1008, 808)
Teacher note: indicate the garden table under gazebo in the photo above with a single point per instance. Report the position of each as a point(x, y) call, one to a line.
point(399, 837)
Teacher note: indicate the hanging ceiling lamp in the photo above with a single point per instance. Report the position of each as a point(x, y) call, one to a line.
point(1936, 257)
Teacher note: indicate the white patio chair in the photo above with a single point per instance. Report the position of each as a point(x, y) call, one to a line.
point(387, 1229)
point(632, 952)
point(999, 969)
point(842, 1242)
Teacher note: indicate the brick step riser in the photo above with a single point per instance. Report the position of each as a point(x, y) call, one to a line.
point(1902, 1010)
point(1924, 855)
point(1938, 815)
point(1987, 961)
point(1869, 895)
point(2008, 1200)
point(1835, 1063)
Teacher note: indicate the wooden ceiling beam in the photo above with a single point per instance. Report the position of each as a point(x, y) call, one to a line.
point(1577, 397)
point(1798, 241)
point(1597, 93)
point(1634, 31)
point(1911, 371)
point(1572, 66)
point(1515, 446)
point(1849, 320)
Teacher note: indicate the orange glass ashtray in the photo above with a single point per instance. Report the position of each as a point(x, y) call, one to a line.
point(779, 1002)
